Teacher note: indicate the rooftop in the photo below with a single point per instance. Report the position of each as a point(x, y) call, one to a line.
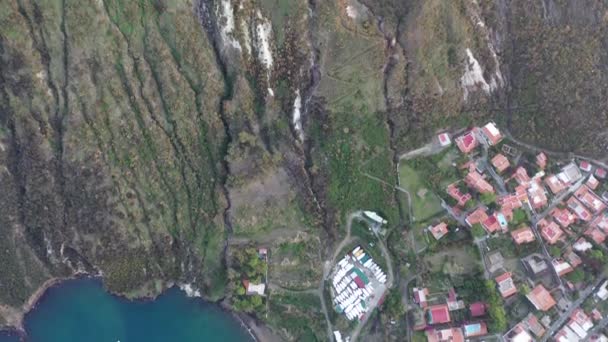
point(439, 230)
point(439, 314)
point(467, 142)
point(506, 287)
point(523, 235)
point(500, 162)
point(541, 298)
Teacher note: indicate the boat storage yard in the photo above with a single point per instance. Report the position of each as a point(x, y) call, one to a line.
point(358, 284)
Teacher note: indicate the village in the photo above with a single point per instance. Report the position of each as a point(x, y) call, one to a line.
point(538, 228)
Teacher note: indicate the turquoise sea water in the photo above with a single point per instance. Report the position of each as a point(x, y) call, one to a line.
point(81, 310)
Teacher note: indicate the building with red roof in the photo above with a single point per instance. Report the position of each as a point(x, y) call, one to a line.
point(420, 295)
point(467, 142)
point(596, 235)
point(585, 166)
point(500, 162)
point(491, 224)
point(600, 173)
point(533, 325)
point(439, 230)
point(491, 133)
point(445, 335)
point(601, 222)
point(455, 193)
point(589, 199)
point(521, 176)
point(477, 182)
point(439, 314)
point(541, 298)
point(563, 216)
point(555, 184)
point(572, 258)
point(537, 195)
point(477, 216)
point(518, 334)
point(523, 235)
point(579, 209)
point(551, 232)
point(477, 309)
point(506, 286)
point(561, 267)
point(541, 160)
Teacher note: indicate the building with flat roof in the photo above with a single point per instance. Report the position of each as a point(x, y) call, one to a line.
point(551, 232)
point(555, 184)
point(570, 173)
point(563, 216)
point(585, 166)
point(491, 133)
point(477, 216)
point(541, 298)
point(579, 209)
point(439, 314)
point(445, 335)
point(518, 334)
point(476, 181)
point(444, 139)
point(477, 309)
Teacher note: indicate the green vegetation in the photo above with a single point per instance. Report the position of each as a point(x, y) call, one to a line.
point(393, 306)
point(478, 231)
point(425, 206)
point(496, 310)
point(576, 276)
point(247, 266)
point(519, 217)
point(488, 198)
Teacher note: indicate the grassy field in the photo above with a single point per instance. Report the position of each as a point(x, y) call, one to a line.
point(425, 206)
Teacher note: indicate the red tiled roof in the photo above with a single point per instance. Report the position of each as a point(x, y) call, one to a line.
point(467, 142)
point(596, 235)
point(521, 175)
point(579, 209)
point(589, 199)
point(551, 232)
point(491, 224)
point(555, 184)
point(478, 309)
point(541, 298)
point(500, 162)
point(477, 216)
point(445, 335)
point(592, 183)
point(585, 166)
point(455, 193)
point(439, 314)
point(600, 173)
point(563, 216)
point(439, 230)
point(476, 181)
point(492, 133)
point(523, 235)
point(506, 287)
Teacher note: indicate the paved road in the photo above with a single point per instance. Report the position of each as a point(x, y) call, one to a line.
point(565, 316)
point(597, 328)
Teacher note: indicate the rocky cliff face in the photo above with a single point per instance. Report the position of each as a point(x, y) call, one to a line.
point(139, 140)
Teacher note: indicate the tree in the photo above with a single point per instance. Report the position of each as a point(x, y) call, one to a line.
point(496, 309)
point(393, 306)
point(597, 255)
point(477, 230)
point(555, 251)
point(519, 216)
point(576, 276)
point(487, 198)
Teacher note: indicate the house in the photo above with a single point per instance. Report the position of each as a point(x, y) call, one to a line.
point(596, 315)
point(506, 286)
point(598, 338)
point(555, 184)
point(536, 264)
point(601, 221)
point(491, 224)
point(585, 166)
point(600, 173)
point(563, 216)
point(500, 162)
point(537, 195)
point(597, 235)
point(579, 209)
point(455, 193)
point(572, 258)
point(602, 292)
point(582, 245)
point(374, 217)
point(439, 314)
point(565, 334)
point(467, 142)
point(561, 267)
point(477, 216)
point(495, 261)
point(445, 335)
point(541, 160)
point(518, 334)
point(444, 139)
point(589, 199)
point(254, 289)
point(541, 298)
point(570, 174)
point(533, 325)
point(491, 133)
point(420, 295)
point(592, 183)
point(439, 230)
point(477, 182)
point(263, 252)
point(580, 322)
point(521, 176)
point(475, 329)
point(551, 232)
point(453, 302)
point(477, 309)
point(523, 235)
